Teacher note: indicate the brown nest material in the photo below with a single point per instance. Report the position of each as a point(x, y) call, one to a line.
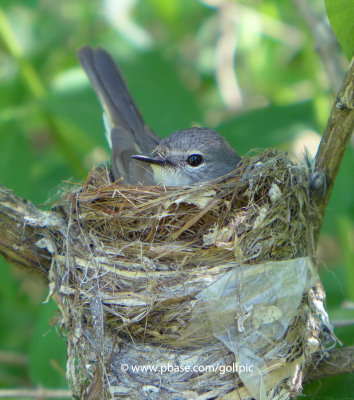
point(172, 293)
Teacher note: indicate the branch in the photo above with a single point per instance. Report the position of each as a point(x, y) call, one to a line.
point(335, 139)
point(22, 229)
point(338, 362)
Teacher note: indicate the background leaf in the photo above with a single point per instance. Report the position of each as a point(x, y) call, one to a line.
point(341, 16)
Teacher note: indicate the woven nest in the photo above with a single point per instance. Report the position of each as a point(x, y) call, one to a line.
point(138, 283)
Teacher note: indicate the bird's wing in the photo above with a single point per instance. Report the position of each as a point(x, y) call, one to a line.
point(126, 130)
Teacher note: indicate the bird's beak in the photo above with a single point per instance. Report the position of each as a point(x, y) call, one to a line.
point(156, 160)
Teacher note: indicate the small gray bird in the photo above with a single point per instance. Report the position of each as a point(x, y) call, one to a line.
point(140, 156)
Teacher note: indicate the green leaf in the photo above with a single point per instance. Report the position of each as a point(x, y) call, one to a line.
point(341, 16)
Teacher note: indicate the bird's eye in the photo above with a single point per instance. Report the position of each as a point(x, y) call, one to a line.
point(194, 160)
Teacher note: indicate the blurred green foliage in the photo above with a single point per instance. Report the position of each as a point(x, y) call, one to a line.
point(171, 53)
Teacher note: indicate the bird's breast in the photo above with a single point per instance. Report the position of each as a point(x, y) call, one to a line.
point(170, 176)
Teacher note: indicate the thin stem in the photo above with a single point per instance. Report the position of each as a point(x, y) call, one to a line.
point(30, 76)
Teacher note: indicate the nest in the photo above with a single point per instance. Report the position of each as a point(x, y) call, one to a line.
point(171, 292)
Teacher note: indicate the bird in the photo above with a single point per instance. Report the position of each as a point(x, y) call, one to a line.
point(139, 156)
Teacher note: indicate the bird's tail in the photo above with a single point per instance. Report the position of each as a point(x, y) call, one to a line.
point(125, 128)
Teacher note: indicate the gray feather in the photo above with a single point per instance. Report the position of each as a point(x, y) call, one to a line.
point(127, 132)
